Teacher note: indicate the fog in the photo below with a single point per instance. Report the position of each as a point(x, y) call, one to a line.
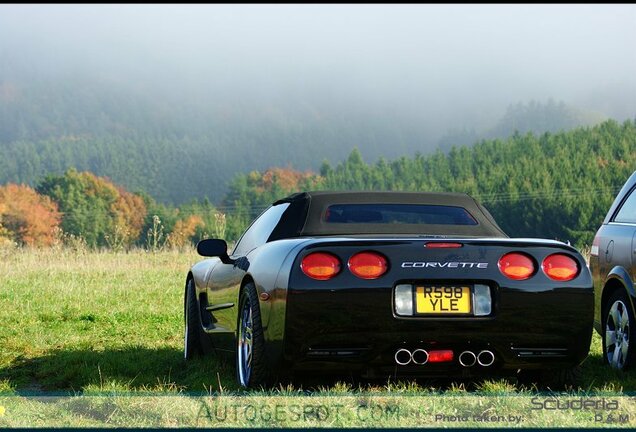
point(432, 67)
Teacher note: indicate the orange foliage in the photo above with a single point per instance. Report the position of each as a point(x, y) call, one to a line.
point(130, 212)
point(127, 210)
point(183, 230)
point(30, 218)
point(5, 235)
point(98, 186)
point(288, 179)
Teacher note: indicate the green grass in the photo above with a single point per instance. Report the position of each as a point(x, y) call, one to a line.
point(94, 321)
point(110, 325)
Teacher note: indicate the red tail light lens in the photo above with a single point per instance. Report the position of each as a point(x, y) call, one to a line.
point(440, 245)
point(368, 265)
point(560, 267)
point(516, 266)
point(440, 356)
point(320, 265)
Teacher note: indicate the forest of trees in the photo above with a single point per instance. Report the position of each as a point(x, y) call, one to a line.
point(522, 118)
point(176, 151)
point(79, 209)
point(555, 185)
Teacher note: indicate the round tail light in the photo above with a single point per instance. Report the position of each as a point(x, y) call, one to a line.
point(560, 267)
point(368, 265)
point(320, 265)
point(516, 266)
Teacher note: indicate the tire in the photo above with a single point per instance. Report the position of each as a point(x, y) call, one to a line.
point(251, 368)
point(618, 323)
point(192, 345)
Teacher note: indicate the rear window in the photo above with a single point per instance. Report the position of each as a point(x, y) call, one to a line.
point(398, 214)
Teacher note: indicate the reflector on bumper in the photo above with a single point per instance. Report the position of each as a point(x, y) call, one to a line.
point(482, 302)
point(404, 300)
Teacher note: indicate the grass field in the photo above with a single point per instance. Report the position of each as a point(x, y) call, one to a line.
point(108, 323)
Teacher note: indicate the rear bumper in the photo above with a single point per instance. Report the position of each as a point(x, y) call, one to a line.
point(355, 329)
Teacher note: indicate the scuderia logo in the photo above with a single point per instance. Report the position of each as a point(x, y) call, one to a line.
point(581, 403)
point(448, 264)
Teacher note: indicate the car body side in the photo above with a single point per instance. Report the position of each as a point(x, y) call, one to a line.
point(613, 257)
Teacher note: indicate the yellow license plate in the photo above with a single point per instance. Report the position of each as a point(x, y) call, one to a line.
point(443, 300)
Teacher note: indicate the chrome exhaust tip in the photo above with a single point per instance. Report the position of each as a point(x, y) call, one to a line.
point(467, 359)
point(419, 356)
point(403, 357)
point(486, 358)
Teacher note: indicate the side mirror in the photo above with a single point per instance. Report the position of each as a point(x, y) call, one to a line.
point(214, 248)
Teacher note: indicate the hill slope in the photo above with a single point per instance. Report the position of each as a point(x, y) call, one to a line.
point(551, 186)
point(177, 145)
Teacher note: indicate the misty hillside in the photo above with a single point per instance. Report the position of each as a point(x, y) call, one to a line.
point(521, 118)
point(175, 100)
point(176, 151)
point(547, 186)
point(172, 149)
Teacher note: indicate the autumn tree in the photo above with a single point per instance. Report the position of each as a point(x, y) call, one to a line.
point(129, 211)
point(5, 234)
point(95, 208)
point(184, 230)
point(26, 217)
point(250, 194)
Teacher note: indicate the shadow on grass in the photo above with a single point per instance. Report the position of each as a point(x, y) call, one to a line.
point(127, 369)
point(165, 370)
point(595, 377)
point(598, 376)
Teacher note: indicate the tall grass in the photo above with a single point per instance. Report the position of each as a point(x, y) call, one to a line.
point(90, 321)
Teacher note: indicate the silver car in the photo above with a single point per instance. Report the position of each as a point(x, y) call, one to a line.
point(613, 266)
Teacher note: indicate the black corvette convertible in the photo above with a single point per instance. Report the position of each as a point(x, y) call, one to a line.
point(388, 284)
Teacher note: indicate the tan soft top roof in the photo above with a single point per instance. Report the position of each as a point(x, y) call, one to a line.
point(315, 204)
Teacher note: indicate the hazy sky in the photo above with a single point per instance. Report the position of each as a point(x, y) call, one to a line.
point(452, 60)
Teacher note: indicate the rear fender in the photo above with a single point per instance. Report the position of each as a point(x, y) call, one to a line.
point(269, 268)
point(620, 275)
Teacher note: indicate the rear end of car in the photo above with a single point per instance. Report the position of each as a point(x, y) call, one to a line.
point(437, 306)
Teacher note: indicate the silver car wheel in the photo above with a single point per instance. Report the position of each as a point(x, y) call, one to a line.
point(245, 344)
point(617, 335)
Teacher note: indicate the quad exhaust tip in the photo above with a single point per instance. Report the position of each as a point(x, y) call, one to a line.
point(419, 356)
point(467, 359)
point(403, 356)
point(486, 358)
